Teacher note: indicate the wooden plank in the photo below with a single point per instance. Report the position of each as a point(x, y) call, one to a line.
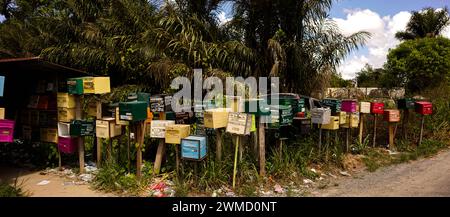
point(391, 135)
point(79, 116)
point(98, 116)
point(59, 160)
point(140, 141)
point(374, 130)
point(320, 138)
point(347, 140)
point(159, 156)
point(262, 149)
point(177, 155)
point(361, 128)
point(218, 145)
point(421, 129)
point(235, 161)
point(255, 144)
point(161, 149)
point(327, 145)
point(405, 124)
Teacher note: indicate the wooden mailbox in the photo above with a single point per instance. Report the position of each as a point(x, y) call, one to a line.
point(239, 123)
point(66, 114)
point(96, 85)
point(333, 125)
point(342, 117)
point(65, 100)
point(107, 128)
point(352, 121)
point(49, 135)
point(216, 118)
point(158, 128)
point(174, 133)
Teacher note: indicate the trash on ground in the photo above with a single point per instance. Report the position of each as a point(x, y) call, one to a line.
point(307, 181)
point(278, 189)
point(344, 173)
point(43, 182)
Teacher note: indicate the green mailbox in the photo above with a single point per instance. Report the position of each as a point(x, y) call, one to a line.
point(406, 103)
point(82, 128)
point(75, 86)
point(133, 111)
point(256, 111)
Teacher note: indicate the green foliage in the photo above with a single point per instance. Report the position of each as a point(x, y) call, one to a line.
point(112, 177)
point(429, 22)
point(35, 154)
point(338, 81)
point(419, 64)
point(370, 77)
point(8, 190)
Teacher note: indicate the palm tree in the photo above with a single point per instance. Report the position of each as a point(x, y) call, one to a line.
point(294, 40)
point(429, 22)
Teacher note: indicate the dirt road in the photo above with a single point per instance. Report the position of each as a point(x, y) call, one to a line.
point(56, 187)
point(428, 177)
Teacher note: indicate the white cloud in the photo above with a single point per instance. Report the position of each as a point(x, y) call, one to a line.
point(446, 32)
point(223, 17)
point(2, 18)
point(383, 31)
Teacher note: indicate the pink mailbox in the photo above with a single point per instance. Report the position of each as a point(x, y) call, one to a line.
point(6, 130)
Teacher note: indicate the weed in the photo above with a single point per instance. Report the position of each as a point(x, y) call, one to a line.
point(11, 190)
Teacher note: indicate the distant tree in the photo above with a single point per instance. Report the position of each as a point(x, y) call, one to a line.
point(429, 22)
point(338, 81)
point(370, 77)
point(419, 64)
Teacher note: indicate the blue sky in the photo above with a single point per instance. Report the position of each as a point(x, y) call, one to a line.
point(382, 18)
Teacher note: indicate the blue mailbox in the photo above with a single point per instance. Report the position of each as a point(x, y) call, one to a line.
point(193, 148)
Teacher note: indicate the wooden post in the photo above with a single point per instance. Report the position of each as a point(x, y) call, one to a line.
point(320, 138)
point(218, 145)
point(160, 151)
point(99, 140)
point(391, 135)
point(421, 129)
point(361, 128)
point(255, 144)
point(235, 161)
point(129, 147)
point(374, 130)
point(109, 147)
point(262, 148)
point(405, 123)
point(241, 149)
point(140, 141)
point(347, 139)
point(177, 155)
point(336, 138)
point(59, 160)
point(327, 145)
point(79, 116)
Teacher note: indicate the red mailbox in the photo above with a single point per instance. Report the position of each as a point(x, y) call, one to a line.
point(377, 108)
point(424, 108)
point(392, 115)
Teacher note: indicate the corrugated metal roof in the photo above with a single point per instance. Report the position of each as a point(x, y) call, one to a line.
point(15, 65)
